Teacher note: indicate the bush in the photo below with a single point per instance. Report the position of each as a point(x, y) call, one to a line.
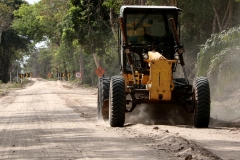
point(219, 60)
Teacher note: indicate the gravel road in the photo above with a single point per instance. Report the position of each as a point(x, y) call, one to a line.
point(53, 120)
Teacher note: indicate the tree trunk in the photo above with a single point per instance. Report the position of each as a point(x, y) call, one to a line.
point(2, 71)
point(140, 2)
point(224, 21)
point(5, 69)
point(230, 15)
point(65, 73)
point(214, 28)
point(218, 19)
point(5, 63)
point(96, 59)
point(81, 66)
point(112, 22)
point(174, 2)
point(0, 36)
point(128, 2)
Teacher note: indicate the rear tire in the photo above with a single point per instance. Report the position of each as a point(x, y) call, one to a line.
point(202, 102)
point(117, 102)
point(103, 95)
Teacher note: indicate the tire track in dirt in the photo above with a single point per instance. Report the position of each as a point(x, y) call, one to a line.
point(85, 107)
point(179, 149)
point(168, 146)
point(11, 128)
point(51, 121)
point(39, 125)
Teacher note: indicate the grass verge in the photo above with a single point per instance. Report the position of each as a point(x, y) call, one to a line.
point(6, 88)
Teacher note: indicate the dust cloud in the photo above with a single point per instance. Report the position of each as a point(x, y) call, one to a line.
point(104, 123)
point(225, 89)
point(226, 111)
point(228, 108)
point(154, 114)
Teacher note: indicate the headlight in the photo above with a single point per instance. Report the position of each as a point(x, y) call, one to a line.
point(145, 56)
point(176, 56)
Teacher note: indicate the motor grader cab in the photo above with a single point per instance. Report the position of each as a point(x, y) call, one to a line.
point(150, 52)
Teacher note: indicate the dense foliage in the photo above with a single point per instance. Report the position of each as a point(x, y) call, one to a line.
point(12, 45)
point(219, 59)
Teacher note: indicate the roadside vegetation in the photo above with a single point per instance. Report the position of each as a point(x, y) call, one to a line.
point(219, 59)
point(5, 88)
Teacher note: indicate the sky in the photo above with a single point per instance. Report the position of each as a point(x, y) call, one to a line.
point(32, 1)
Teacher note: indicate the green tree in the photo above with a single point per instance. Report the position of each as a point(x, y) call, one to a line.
point(5, 18)
point(11, 42)
point(219, 60)
point(41, 21)
point(90, 22)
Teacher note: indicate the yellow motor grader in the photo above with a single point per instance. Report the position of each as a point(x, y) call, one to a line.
point(150, 52)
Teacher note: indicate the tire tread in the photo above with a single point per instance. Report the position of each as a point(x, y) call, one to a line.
point(202, 103)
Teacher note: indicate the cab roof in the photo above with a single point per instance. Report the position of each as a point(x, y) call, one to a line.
point(139, 7)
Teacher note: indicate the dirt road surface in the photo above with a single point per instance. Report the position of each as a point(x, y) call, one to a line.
point(52, 120)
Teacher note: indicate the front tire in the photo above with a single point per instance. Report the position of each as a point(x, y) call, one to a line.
point(117, 102)
point(202, 102)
